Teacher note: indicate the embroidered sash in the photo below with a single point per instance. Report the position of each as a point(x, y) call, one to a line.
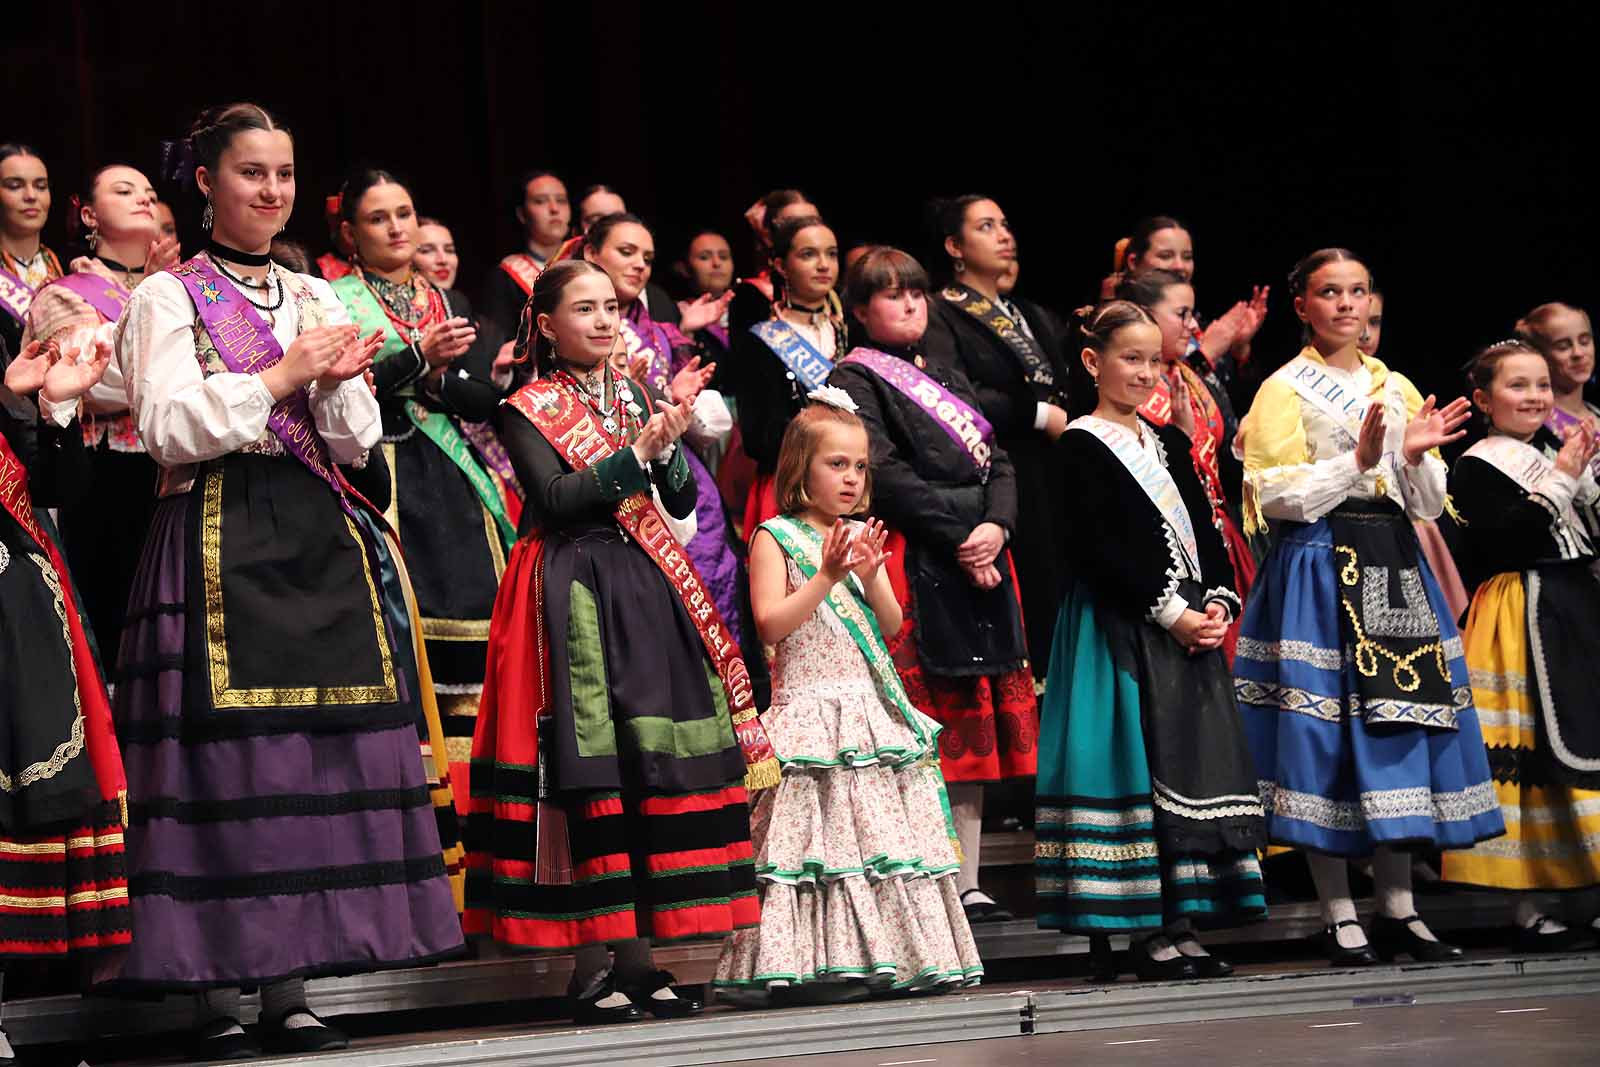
point(1151, 476)
point(104, 295)
point(245, 345)
point(1035, 367)
point(1317, 387)
point(572, 432)
point(1528, 467)
point(809, 367)
point(804, 545)
point(364, 310)
point(963, 423)
point(523, 270)
point(16, 296)
point(659, 373)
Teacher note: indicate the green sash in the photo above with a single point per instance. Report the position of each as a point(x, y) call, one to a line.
point(804, 545)
point(435, 426)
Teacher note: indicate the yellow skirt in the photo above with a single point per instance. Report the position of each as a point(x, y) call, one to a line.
point(1552, 838)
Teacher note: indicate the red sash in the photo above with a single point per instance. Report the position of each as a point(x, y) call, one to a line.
point(104, 755)
point(572, 432)
point(523, 270)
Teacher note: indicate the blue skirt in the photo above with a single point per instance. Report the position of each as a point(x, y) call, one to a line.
point(1333, 778)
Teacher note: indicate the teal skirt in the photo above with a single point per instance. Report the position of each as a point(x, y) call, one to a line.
point(1148, 811)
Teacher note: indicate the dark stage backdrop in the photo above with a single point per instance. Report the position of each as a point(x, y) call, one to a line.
point(1443, 143)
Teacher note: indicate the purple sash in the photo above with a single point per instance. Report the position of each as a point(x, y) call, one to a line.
point(15, 295)
point(964, 423)
point(102, 294)
point(246, 346)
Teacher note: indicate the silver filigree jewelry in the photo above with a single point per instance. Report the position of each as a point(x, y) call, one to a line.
point(208, 216)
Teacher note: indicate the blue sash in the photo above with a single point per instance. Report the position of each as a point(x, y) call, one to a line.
point(809, 367)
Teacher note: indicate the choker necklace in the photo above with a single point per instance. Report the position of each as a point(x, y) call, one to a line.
point(792, 306)
point(233, 255)
point(243, 283)
point(112, 264)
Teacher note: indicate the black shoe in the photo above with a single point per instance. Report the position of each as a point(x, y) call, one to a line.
point(1102, 961)
point(984, 911)
point(1150, 969)
point(640, 992)
point(586, 1011)
point(208, 1043)
point(1533, 939)
point(1338, 955)
point(818, 994)
point(281, 1040)
point(1394, 937)
point(1206, 965)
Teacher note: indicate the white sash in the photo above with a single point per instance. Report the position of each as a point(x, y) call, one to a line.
point(1528, 467)
point(1151, 476)
point(1317, 387)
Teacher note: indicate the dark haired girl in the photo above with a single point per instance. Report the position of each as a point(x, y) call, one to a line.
point(26, 265)
point(1012, 353)
point(790, 351)
point(1148, 817)
point(454, 500)
point(1349, 669)
point(948, 492)
point(544, 217)
point(609, 782)
point(1532, 512)
point(267, 704)
point(115, 214)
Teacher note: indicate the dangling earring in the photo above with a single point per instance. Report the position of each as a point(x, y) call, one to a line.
point(207, 217)
point(92, 239)
point(959, 265)
point(1094, 380)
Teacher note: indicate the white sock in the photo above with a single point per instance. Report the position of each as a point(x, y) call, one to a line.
point(1183, 938)
point(215, 1004)
point(1528, 916)
point(966, 810)
point(1332, 877)
point(1391, 876)
point(286, 1000)
point(1160, 949)
point(6, 1052)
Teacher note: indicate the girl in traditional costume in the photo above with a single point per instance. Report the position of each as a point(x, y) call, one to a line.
point(282, 827)
point(1148, 816)
point(26, 264)
point(659, 355)
point(949, 495)
point(1011, 352)
point(1349, 669)
point(1183, 398)
point(854, 850)
point(63, 797)
point(453, 501)
point(789, 352)
point(1564, 335)
point(116, 214)
point(544, 215)
point(436, 254)
point(617, 735)
point(1532, 519)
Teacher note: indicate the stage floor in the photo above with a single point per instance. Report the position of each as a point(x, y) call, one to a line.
point(1532, 1032)
point(1488, 1008)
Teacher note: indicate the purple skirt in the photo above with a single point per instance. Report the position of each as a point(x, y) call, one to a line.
point(259, 856)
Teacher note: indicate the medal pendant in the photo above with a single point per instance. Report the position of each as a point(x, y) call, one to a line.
point(610, 424)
